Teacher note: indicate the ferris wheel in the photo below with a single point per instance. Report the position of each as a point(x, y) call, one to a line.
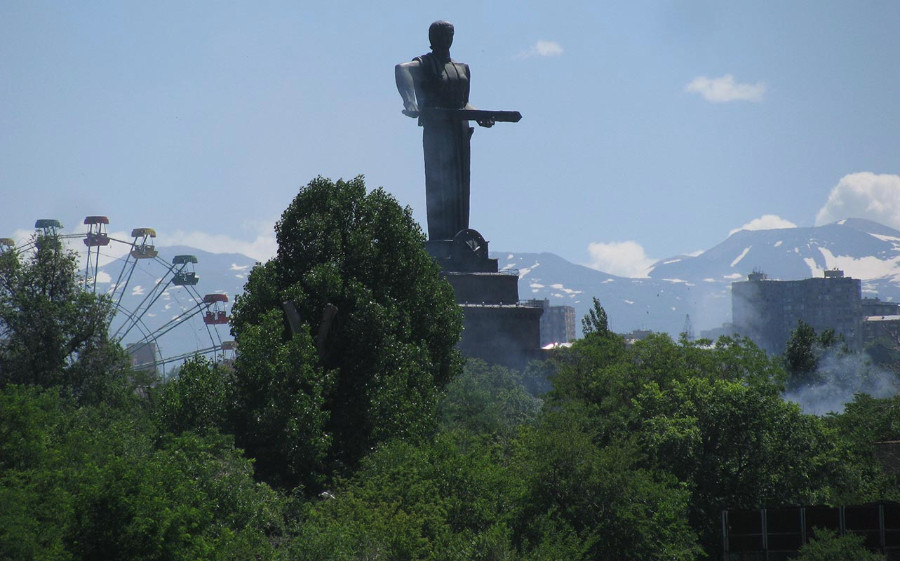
point(156, 301)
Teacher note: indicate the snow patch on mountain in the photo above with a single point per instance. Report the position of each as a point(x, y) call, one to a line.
point(741, 256)
point(814, 269)
point(523, 271)
point(571, 293)
point(884, 238)
point(867, 267)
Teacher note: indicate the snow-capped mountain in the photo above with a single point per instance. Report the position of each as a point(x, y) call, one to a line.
point(678, 287)
point(700, 286)
point(646, 303)
point(863, 249)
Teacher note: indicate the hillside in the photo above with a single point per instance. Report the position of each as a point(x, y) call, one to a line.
point(696, 286)
point(700, 286)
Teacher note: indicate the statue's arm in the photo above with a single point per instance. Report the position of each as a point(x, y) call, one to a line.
point(405, 75)
point(487, 123)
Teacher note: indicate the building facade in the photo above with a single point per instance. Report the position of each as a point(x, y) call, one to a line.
point(767, 311)
point(557, 323)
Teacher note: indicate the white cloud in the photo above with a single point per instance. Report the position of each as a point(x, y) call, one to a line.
point(765, 222)
point(625, 259)
point(262, 248)
point(724, 89)
point(864, 195)
point(542, 48)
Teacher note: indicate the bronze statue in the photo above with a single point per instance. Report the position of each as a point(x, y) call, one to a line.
point(435, 89)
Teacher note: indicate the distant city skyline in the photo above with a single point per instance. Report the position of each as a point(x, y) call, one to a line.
point(650, 130)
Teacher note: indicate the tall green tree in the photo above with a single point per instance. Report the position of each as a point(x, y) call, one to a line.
point(804, 351)
point(595, 321)
point(279, 411)
point(367, 296)
point(52, 332)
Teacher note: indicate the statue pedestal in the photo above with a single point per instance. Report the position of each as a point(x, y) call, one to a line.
point(496, 327)
point(508, 334)
point(494, 289)
point(466, 252)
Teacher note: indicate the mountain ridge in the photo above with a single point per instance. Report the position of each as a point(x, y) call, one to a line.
point(697, 287)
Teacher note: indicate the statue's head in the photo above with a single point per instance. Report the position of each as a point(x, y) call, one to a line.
point(440, 33)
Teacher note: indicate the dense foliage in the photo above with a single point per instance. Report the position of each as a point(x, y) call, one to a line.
point(97, 483)
point(365, 439)
point(378, 327)
point(84, 473)
point(826, 545)
point(804, 353)
point(51, 331)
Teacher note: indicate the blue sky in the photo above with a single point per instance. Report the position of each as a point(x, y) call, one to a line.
point(650, 129)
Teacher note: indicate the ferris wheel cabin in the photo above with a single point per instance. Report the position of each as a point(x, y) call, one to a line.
point(48, 226)
point(142, 247)
point(185, 275)
point(215, 312)
point(96, 234)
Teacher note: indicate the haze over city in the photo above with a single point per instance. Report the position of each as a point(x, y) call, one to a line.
point(650, 130)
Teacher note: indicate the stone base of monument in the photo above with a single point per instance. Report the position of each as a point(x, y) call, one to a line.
point(496, 327)
point(466, 252)
point(485, 288)
point(509, 335)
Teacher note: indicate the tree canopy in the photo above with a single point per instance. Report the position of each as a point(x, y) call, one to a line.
point(346, 428)
point(52, 331)
point(375, 326)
